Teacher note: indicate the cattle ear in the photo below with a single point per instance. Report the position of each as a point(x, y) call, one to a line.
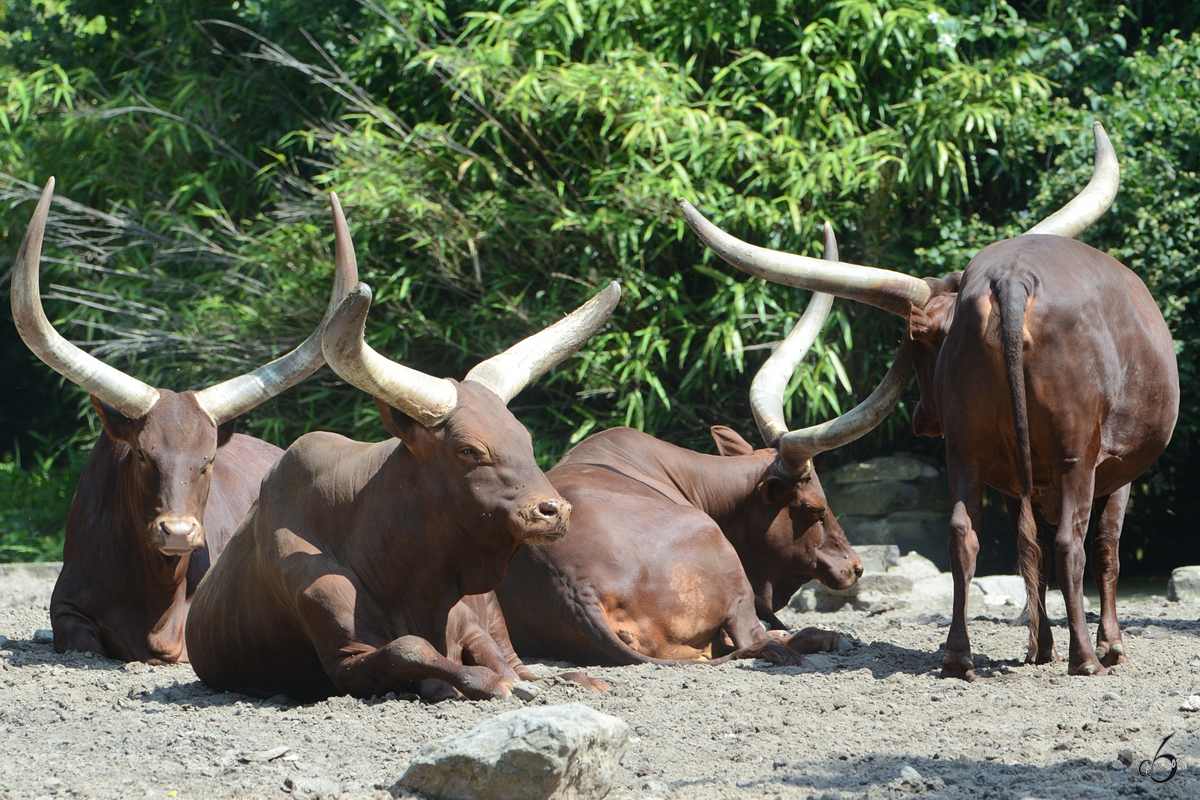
point(225, 432)
point(772, 490)
point(116, 424)
point(729, 442)
point(414, 435)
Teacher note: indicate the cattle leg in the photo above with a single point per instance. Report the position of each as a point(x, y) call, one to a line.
point(1108, 517)
point(75, 632)
point(1041, 652)
point(1078, 482)
point(409, 660)
point(967, 493)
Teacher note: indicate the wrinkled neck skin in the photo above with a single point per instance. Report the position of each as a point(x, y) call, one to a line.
point(415, 561)
point(161, 580)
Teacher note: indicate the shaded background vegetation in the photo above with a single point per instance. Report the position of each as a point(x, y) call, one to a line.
point(500, 161)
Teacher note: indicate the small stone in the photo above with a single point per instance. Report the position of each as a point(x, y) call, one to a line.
point(266, 755)
point(323, 787)
point(1115, 765)
point(43, 636)
point(1191, 704)
point(526, 690)
point(52, 783)
point(3, 642)
point(1125, 756)
point(910, 775)
point(1111, 697)
point(936, 784)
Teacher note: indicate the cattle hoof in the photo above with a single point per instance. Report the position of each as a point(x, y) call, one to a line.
point(958, 666)
point(586, 681)
point(967, 675)
point(1090, 669)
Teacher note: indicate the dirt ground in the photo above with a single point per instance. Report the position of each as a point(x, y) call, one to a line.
point(872, 722)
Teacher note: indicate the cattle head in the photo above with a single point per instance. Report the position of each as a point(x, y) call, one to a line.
point(801, 535)
point(166, 442)
point(466, 442)
point(926, 304)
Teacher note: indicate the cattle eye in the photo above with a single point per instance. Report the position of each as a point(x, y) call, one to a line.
point(470, 454)
point(773, 490)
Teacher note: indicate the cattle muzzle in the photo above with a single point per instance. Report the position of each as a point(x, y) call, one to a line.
point(544, 521)
point(840, 573)
point(176, 536)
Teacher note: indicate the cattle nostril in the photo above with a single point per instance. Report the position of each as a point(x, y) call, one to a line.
point(548, 509)
point(858, 570)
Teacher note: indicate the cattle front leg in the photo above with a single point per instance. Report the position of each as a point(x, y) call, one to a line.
point(967, 493)
point(1108, 517)
point(1069, 557)
point(412, 660)
point(75, 632)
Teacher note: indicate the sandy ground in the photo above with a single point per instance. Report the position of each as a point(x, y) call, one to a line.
point(843, 726)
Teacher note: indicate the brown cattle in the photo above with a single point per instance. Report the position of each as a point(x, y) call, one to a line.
point(343, 576)
point(1051, 373)
point(164, 487)
point(671, 552)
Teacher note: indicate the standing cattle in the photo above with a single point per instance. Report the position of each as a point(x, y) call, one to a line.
point(343, 577)
point(164, 487)
point(671, 551)
point(1051, 373)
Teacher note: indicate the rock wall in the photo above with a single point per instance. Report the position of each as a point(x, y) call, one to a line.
point(904, 500)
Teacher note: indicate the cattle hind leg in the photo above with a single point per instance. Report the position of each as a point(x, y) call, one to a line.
point(1035, 564)
point(967, 494)
point(1078, 482)
point(1108, 517)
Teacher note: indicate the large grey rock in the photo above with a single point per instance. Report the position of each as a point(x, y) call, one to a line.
point(915, 567)
point(940, 589)
point(897, 467)
point(999, 590)
point(872, 587)
point(878, 557)
point(863, 531)
point(1184, 586)
point(873, 499)
point(567, 751)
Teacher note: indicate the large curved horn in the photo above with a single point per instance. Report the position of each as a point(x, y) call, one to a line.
point(891, 291)
point(126, 394)
point(511, 371)
point(1087, 206)
point(425, 399)
point(228, 399)
point(799, 447)
point(767, 388)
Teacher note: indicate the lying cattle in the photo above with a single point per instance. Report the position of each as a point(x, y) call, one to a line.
point(1051, 373)
point(164, 487)
point(343, 576)
point(671, 551)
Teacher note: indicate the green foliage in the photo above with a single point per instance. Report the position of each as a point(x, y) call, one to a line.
point(500, 161)
point(34, 502)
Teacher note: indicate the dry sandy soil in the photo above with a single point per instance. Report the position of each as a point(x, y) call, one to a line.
point(842, 726)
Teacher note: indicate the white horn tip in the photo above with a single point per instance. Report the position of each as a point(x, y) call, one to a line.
point(831, 245)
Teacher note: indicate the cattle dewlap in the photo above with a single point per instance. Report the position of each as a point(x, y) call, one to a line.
point(550, 752)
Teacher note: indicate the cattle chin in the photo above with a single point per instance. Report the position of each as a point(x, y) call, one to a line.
point(543, 522)
point(176, 536)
